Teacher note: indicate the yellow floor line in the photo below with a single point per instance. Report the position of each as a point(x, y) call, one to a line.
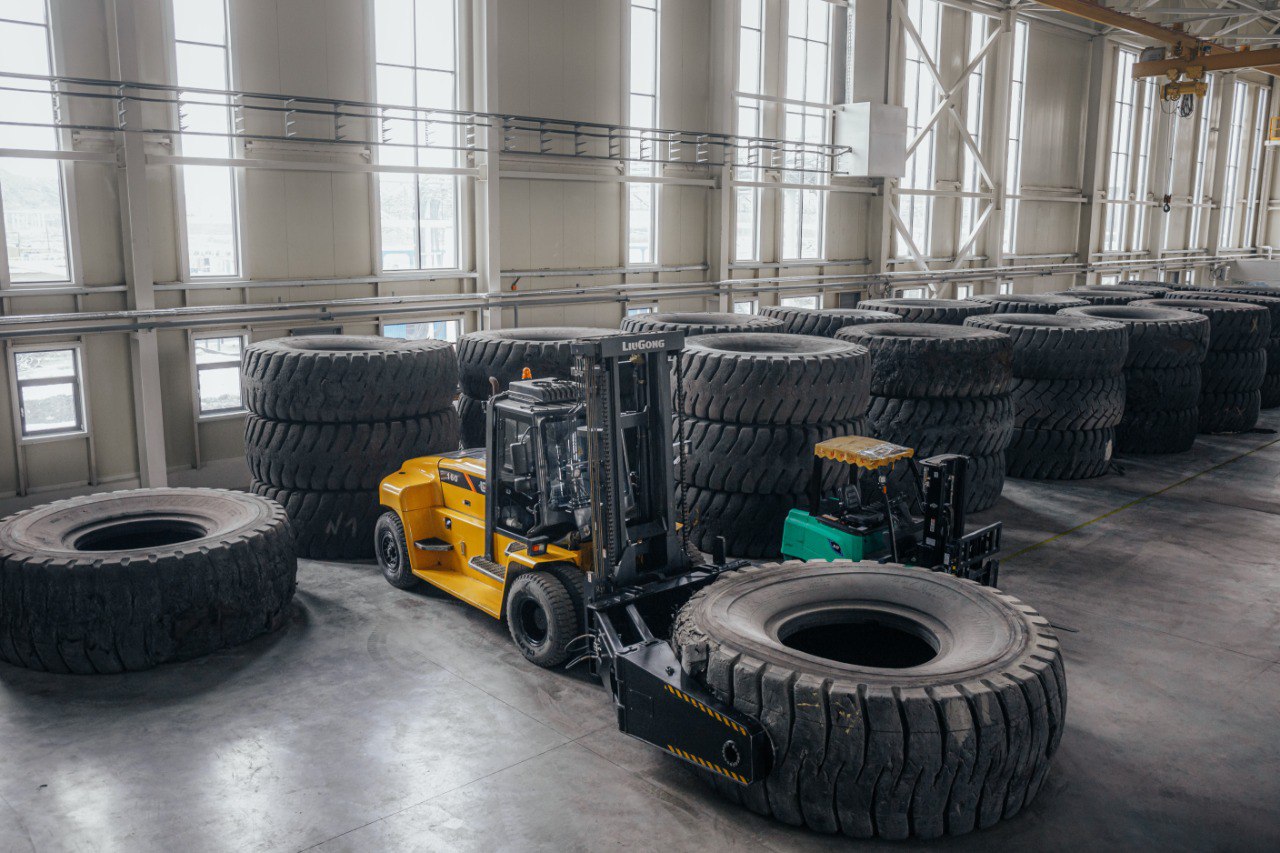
point(1138, 500)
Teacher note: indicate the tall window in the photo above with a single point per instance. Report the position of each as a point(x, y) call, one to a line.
point(974, 118)
point(202, 61)
point(50, 391)
point(920, 95)
point(750, 122)
point(31, 190)
point(217, 366)
point(1122, 118)
point(1142, 165)
point(1251, 199)
point(808, 82)
point(416, 69)
point(642, 111)
point(1235, 154)
point(1013, 160)
point(1200, 176)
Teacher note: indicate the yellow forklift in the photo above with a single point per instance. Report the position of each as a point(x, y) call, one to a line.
point(564, 525)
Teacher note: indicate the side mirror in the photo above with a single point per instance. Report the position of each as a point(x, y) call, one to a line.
point(520, 464)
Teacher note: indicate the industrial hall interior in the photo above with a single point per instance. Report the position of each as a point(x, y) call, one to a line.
point(683, 425)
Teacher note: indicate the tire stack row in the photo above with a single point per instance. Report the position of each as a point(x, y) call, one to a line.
point(1162, 376)
point(938, 388)
point(330, 416)
point(1068, 393)
point(700, 323)
point(1252, 296)
point(1235, 365)
point(824, 322)
point(488, 362)
point(1028, 303)
point(1113, 294)
point(950, 312)
point(752, 407)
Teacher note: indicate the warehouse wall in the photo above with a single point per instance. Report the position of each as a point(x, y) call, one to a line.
point(553, 58)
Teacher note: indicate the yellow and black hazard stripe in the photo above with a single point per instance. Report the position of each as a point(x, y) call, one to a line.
point(702, 762)
point(704, 709)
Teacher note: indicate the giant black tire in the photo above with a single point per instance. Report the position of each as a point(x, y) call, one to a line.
point(1161, 389)
point(124, 581)
point(327, 525)
point(1229, 413)
point(984, 481)
point(1157, 432)
point(471, 421)
point(750, 524)
point(1057, 346)
point(824, 322)
point(1158, 337)
point(1233, 326)
point(342, 457)
point(1106, 296)
point(503, 354)
point(769, 378)
point(1028, 303)
point(348, 378)
point(972, 426)
point(952, 312)
point(700, 323)
point(758, 459)
point(934, 360)
point(1271, 391)
point(1271, 303)
point(918, 747)
point(1233, 371)
point(1041, 454)
point(1068, 404)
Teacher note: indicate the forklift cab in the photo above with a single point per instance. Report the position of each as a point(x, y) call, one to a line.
point(536, 443)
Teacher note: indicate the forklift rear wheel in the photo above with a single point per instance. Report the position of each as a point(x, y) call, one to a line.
point(541, 618)
point(393, 552)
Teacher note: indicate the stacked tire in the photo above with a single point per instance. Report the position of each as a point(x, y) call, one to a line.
point(752, 407)
point(939, 388)
point(951, 312)
point(1109, 294)
point(824, 322)
point(1028, 303)
point(1159, 288)
point(330, 416)
point(1234, 368)
point(700, 323)
point(488, 362)
point(1162, 376)
point(1271, 381)
point(1068, 393)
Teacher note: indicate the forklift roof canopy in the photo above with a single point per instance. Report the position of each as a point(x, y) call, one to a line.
point(860, 450)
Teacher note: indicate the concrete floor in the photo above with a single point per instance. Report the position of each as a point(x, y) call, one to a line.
point(383, 720)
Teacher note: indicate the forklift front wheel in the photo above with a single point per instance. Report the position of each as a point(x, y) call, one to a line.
point(541, 618)
point(393, 552)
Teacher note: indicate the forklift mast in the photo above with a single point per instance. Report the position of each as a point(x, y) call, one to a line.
point(641, 572)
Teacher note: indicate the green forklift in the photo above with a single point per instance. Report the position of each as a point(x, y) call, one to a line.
point(890, 507)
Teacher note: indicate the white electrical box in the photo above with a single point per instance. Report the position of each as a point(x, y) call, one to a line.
point(877, 133)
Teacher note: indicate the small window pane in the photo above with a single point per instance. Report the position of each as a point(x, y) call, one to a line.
point(438, 330)
point(644, 43)
point(201, 66)
point(435, 34)
point(746, 306)
point(23, 10)
point(393, 34)
point(34, 220)
point(438, 199)
point(49, 408)
point(219, 389)
point(749, 61)
point(200, 20)
point(398, 203)
point(751, 13)
point(24, 49)
point(435, 89)
point(49, 364)
point(218, 350)
point(798, 302)
point(211, 221)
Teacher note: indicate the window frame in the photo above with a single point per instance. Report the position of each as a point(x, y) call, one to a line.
point(754, 302)
point(464, 184)
point(66, 181)
point(639, 309)
point(635, 147)
point(804, 109)
point(80, 397)
point(218, 414)
point(785, 301)
point(236, 177)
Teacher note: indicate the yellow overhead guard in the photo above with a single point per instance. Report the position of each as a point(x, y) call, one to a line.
point(868, 453)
